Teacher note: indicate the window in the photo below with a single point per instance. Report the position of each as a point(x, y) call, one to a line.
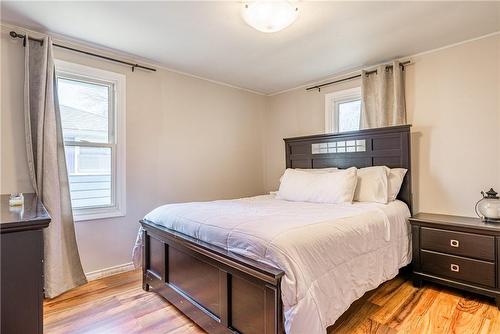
point(92, 107)
point(343, 111)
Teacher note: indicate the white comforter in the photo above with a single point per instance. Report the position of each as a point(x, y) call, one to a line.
point(331, 253)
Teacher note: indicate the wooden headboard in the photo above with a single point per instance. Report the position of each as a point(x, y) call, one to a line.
point(389, 146)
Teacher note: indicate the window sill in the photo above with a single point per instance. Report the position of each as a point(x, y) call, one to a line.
point(96, 214)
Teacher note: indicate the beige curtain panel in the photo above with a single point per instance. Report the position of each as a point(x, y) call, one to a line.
point(47, 168)
point(383, 97)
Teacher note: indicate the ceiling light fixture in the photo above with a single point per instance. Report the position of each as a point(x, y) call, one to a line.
point(269, 16)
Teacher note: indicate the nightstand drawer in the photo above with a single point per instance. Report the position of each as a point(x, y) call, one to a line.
point(455, 267)
point(458, 243)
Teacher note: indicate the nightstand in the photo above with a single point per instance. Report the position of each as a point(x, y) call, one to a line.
point(459, 252)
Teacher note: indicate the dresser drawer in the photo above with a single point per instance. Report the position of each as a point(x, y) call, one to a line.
point(458, 243)
point(455, 267)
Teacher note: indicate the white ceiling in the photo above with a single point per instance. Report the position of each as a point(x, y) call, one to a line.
point(209, 39)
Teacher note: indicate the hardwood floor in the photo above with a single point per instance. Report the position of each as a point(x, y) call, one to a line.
point(114, 305)
point(117, 304)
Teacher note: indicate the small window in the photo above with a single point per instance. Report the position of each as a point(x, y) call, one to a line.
point(91, 103)
point(343, 111)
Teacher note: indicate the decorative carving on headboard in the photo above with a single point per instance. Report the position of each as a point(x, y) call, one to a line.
point(339, 146)
point(389, 146)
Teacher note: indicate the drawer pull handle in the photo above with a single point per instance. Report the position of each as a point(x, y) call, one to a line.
point(454, 243)
point(455, 268)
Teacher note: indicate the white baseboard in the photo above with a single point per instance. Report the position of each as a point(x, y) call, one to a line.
point(121, 268)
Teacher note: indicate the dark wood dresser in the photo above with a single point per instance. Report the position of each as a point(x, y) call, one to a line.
point(457, 251)
point(22, 265)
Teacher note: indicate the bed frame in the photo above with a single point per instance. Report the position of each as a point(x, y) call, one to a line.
point(226, 293)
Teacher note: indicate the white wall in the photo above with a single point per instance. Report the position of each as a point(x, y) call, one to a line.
point(187, 140)
point(453, 102)
point(294, 113)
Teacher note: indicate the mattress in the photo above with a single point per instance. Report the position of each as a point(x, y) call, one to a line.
point(331, 253)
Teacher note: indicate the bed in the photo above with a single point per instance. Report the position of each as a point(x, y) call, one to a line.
point(217, 264)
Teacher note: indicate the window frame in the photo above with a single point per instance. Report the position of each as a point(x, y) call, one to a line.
point(332, 100)
point(116, 135)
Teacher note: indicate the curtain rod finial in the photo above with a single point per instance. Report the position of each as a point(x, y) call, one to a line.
point(14, 34)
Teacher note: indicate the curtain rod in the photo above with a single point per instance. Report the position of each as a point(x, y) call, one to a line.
point(318, 87)
point(14, 34)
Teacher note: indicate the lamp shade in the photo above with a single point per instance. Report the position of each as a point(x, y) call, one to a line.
point(269, 16)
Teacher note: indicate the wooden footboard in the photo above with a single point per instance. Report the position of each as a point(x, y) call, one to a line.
point(222, 292)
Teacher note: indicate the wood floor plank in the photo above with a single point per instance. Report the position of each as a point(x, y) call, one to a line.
point(471, 315)
point(386, 291)
point(494, 326)
point(415, 306)
point(352, 324)
point(370, 326)
point(393, 305)
point(118, 305)
point(437, 319)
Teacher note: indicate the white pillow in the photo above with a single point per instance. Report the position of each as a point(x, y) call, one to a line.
point(396, 176)
point(300, 186)
point(318, 170)
point(372, 185)
point(315, 170)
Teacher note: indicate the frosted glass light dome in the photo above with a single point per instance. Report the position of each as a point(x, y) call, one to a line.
point(269, 16)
